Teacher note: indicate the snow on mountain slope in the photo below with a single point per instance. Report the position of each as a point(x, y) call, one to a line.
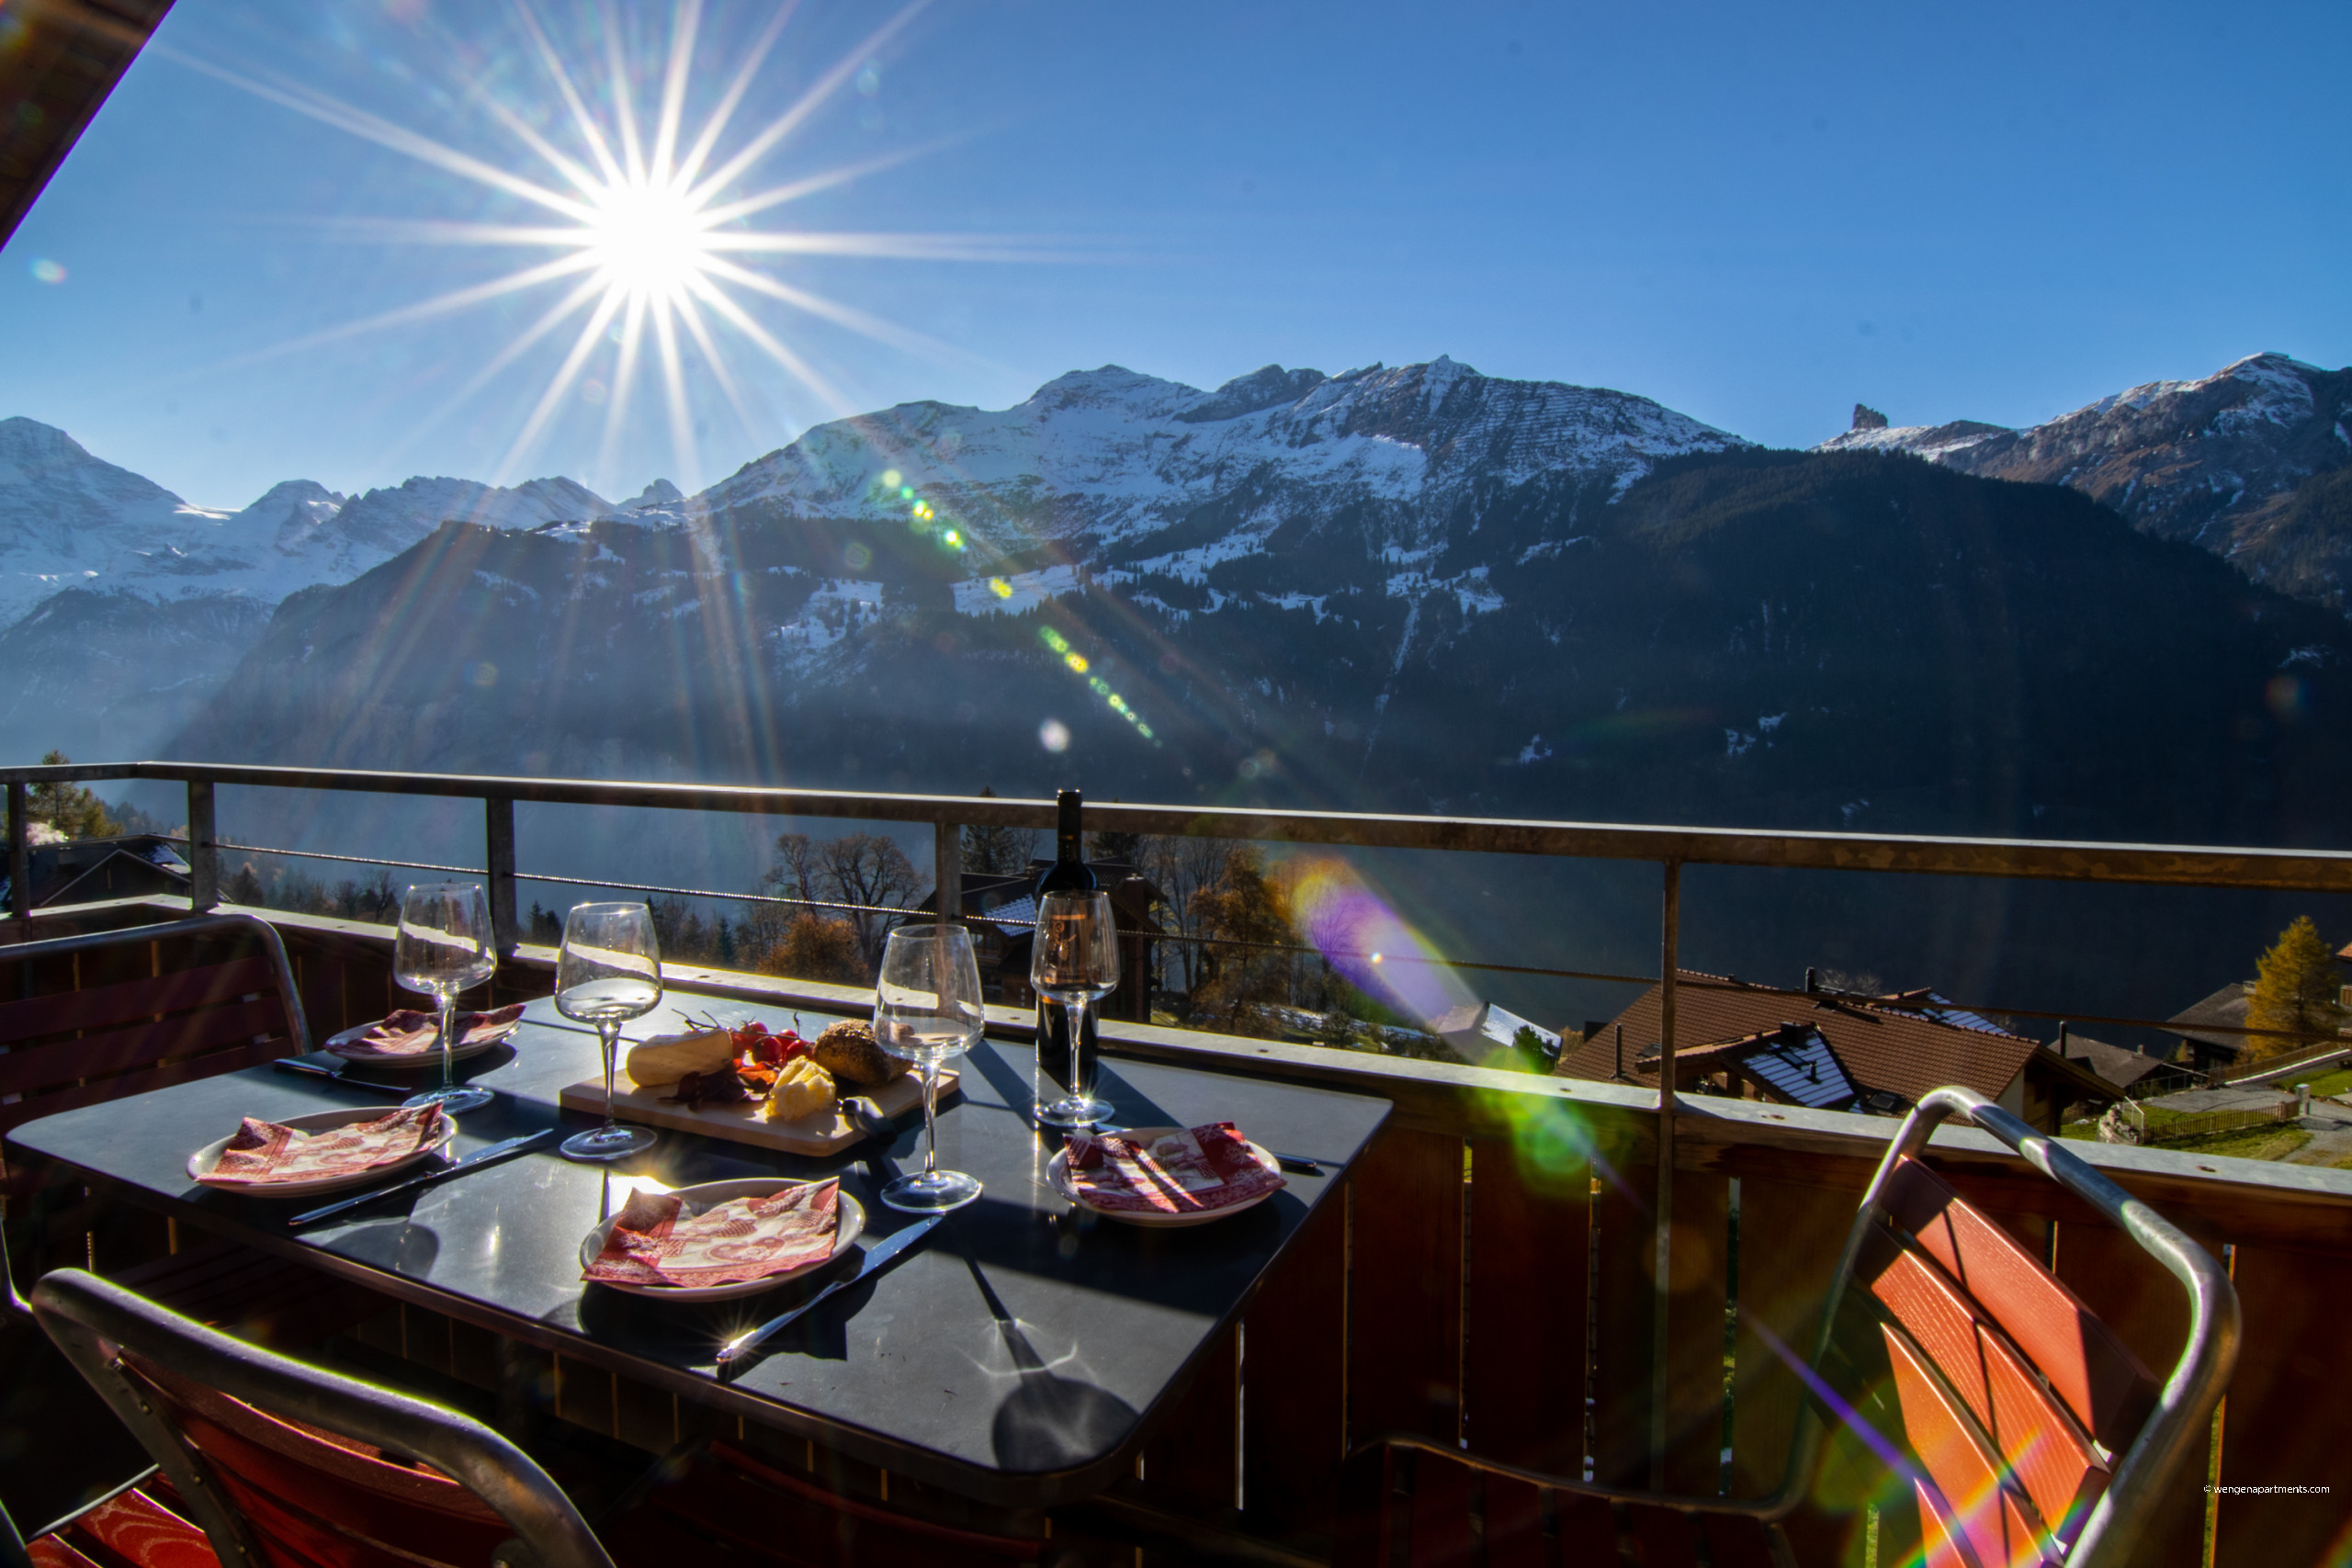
point(2210, 461)
point(1109, 454)
point(69, 519)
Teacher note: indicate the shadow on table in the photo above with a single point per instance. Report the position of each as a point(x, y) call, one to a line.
point(1047, 1422)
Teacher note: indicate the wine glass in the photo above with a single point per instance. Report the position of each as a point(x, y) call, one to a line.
point(927, 1010)
point(610, 969)
point(445, 947)
point(1074, 958)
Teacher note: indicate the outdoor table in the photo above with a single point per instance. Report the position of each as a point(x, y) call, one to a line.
point(1018, 1356)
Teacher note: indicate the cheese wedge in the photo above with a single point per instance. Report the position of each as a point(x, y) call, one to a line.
point(666, 1058)
point(803, 1088)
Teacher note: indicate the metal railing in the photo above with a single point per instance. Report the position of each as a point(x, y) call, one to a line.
point(1668, 848)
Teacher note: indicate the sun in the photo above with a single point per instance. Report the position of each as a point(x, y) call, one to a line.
point(644, 227)
point(648, 242)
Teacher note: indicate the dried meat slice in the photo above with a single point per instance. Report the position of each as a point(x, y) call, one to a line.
point(655, 1241)
point(1196, 1170)
point(265, 1154)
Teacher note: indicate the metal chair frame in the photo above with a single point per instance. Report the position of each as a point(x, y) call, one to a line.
point(194, 925)
point(2113, 1533)
point(94, 1321)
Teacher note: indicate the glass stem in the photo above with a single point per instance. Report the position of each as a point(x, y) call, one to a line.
point(1079, 1087)
point(929, 1120)
point(608, 1036)
point(449, 1011)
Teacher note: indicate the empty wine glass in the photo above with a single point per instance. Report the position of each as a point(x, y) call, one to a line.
point(927, 1010)
point(610, 970)
point(1074, 958)
point(445, 947)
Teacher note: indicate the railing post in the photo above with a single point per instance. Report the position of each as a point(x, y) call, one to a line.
point(203, 854)
point(498, 830)
point(947, 872)
point(1669, 940)
point(20, 871)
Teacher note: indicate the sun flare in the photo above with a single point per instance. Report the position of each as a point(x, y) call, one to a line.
point(644, 226)
point(648, 242)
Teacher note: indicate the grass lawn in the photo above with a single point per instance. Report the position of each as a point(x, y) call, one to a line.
point(2246, 1143)
point(2335, 1082)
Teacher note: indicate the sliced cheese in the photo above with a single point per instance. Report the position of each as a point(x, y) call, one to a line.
point(666, 1058)
point(803, 1088)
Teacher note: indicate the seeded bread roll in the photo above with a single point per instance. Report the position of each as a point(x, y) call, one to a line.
point(848, 1052)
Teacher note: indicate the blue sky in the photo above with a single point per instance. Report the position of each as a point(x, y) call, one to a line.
point(1755, 215)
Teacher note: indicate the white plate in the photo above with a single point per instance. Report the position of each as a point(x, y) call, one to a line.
point(428, 1058)
point(1057, 1172)
point(849, 1224)
point(200, 1163)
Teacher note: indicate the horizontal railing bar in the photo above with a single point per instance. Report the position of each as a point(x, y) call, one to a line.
point(2037, 859)
point(2159, 1025)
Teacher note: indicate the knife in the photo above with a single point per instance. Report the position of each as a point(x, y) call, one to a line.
point(296, 1065)
point(878, 1257)
point(478, 1158)
point(1302, 1164)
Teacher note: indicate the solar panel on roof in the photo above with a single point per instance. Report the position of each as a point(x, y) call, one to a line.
point(1805, 1072)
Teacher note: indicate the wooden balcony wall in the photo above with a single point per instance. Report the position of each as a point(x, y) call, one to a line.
point(1449, 1294)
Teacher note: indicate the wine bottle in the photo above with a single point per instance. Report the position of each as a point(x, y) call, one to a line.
point(1069, 874)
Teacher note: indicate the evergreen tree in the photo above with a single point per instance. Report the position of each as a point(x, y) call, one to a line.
point(71, 809)
point(2295, 988)
point(245, 888)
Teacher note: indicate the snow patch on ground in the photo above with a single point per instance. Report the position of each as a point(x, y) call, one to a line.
point(1011, 595)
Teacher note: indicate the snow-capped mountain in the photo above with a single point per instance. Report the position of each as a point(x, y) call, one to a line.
point(1100, 461)
point(2244, 462)
point(122, 605)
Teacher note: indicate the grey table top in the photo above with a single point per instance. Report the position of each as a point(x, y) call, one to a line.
point(1018, 1356)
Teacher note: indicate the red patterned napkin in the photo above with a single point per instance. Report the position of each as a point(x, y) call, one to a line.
point(411, 1034)
point(264, 1154)
point(655, 1242)
point(1193, 1172)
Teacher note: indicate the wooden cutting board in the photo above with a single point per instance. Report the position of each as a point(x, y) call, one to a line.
point(824, 1133)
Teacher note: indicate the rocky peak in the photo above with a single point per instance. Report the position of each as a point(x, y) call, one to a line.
point(1867, 418)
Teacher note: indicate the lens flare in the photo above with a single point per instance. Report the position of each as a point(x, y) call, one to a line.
point(1345, 920)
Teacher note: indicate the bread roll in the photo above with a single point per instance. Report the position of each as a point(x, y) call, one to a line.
point(848, 1052)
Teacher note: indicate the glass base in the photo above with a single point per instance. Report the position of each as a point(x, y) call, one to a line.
point(452, 1101)
point(608, 1143)
point(1075, 1110)
point(942, 1190)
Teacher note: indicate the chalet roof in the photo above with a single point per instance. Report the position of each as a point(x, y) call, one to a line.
point(1793, 1064)
point(2225, 1007)
point(2117, 1066)
point(1901, 1051)
point(71, 871)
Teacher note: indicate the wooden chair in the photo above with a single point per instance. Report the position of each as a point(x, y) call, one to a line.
point(129, 1525)
point(116, 1022)
point(2019, 1425)
point(284, 1465)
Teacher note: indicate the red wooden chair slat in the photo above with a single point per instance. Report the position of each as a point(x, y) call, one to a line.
point(130, 1527)
point(1942, 1543)
point(28, 1070)
point(2106, 1386)
point(1954, 1457)
point(124, 1084)
point(104, 1003)
point(315, 1499)
point(1586, 1527)
point(2031, 1429)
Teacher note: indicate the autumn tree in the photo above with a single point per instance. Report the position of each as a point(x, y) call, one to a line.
point(1242, 904)
point(868, 873)
point(2295, 989)
point(71, 809)
point(814, 948)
